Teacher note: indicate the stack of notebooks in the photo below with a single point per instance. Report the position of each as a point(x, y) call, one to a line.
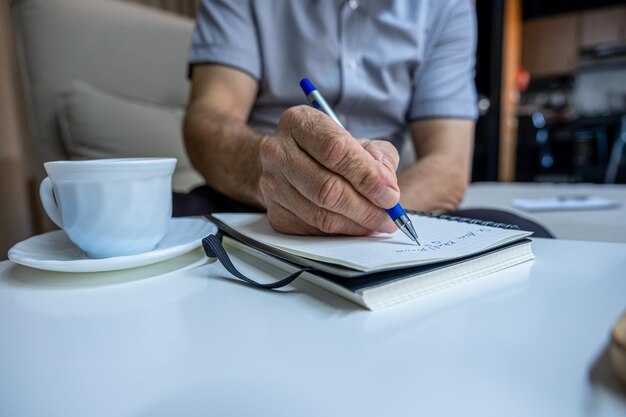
point(385, 269)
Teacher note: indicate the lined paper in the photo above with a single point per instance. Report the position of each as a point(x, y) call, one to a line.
point(441, 240)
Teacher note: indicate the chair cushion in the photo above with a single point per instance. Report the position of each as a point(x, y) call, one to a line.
point(122, 46)
point(96, 123)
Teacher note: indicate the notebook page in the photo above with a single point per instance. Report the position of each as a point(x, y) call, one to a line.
point(441, 240)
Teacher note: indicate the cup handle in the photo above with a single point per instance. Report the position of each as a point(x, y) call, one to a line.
point(46, 193)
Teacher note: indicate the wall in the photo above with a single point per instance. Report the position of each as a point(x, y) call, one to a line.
point(552, 45)
point(16, 221)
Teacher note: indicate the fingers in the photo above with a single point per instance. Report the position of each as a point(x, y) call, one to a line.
point(332, 193)
point(369, 173)
point(317, 179)
point(384, 152)
point(308, 194)
point(309, 218)
point(285, 221)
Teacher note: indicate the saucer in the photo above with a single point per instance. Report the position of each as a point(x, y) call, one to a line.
point(54, 251)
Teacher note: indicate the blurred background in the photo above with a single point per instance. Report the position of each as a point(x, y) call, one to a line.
point(551, 77)
point(553, 74)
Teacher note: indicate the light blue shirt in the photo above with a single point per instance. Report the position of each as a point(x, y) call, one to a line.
point(379, 63)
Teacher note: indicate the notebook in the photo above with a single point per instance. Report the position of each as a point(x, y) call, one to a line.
point(381, 270)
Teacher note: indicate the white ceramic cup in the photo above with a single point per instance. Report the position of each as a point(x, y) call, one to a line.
point(110, 207)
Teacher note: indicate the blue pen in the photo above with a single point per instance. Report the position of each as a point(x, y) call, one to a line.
point(397, 213)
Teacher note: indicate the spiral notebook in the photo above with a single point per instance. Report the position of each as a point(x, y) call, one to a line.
point(373, 271)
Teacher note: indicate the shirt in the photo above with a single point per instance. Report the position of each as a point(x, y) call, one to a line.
point(380, 64)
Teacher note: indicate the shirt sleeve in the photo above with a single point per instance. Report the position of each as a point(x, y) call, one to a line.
point(225, 33)
point(444, 86)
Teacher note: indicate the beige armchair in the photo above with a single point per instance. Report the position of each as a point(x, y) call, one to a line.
point(103, 78)
point(117, 49)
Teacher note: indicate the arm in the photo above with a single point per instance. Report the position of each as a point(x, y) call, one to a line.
point(442, 109)
point(311, 175)
point(437, 181)
point(219, 143)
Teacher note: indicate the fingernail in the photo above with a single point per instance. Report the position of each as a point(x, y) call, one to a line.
point(386, 197)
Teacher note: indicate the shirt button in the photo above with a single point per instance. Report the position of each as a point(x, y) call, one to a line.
point(352, 64)
point(354, 4)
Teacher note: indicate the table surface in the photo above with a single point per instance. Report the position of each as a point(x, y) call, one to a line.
point(608, 225)
point(182, 338)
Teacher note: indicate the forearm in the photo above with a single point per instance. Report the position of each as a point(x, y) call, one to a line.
point(432, 184)
point(437, 181)
point(225, 151)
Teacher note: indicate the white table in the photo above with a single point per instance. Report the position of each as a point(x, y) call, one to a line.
point(604, 225)
point(182, 339)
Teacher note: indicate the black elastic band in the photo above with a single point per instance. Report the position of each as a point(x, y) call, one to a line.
point(213, 248)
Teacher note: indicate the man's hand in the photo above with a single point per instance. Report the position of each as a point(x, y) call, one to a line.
point(310, 175)
point(317, 179)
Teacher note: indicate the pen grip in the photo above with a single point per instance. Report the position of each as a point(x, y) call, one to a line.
point(395, 212)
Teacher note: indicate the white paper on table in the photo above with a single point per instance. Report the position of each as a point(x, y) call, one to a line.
point(564, 202)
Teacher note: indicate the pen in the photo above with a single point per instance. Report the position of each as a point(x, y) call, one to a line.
point(397, 213)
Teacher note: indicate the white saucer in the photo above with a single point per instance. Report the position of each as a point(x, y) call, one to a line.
point(53, 251)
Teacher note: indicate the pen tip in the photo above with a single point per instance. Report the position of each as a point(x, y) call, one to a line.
point(418, 242)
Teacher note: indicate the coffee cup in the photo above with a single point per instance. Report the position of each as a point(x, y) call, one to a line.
point(110, 207)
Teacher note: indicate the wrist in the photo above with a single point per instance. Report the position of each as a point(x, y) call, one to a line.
point(255, 189)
